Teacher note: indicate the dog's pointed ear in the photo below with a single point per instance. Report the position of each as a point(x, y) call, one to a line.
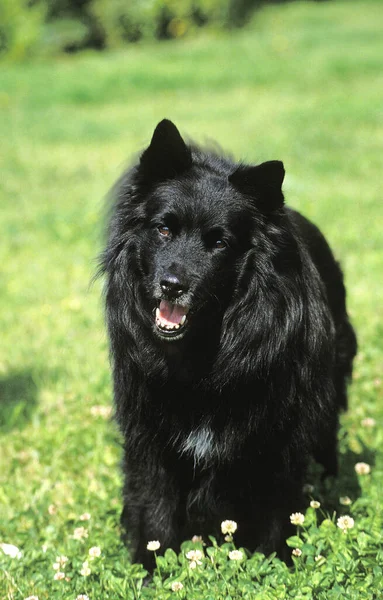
point(263, 183)
point(167, 154)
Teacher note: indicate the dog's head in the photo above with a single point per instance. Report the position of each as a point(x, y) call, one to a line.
point(193, 217)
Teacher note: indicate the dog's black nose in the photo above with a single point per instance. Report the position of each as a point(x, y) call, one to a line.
point(172, 286)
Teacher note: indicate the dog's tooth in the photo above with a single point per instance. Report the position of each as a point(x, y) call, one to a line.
point(183, 320)
point(157, 313)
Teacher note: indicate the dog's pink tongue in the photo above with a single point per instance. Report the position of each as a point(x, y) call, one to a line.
point(171, 314)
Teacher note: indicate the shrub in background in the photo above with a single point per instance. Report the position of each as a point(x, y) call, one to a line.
point(21, 28)
point(29, 27)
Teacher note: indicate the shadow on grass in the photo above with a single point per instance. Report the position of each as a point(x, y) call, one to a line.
point(330, 490)
point(18, 400)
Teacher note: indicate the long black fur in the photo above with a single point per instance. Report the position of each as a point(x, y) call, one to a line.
point(220, 423)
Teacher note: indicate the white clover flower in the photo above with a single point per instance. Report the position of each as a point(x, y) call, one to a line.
point(315, 504)
point(153, 546)
point(61, 560)
point(56, 566)
point(82, 597)
point(59, 575)
point(197, 538)
point(308, 488)
point(362, 468)
point(32, 598)
point(101, 411)
point(80, 533)
point(52, 509)
point(95, 552)
point(318, 557)
point(297, 552)
point(368, 422)
point(85, 571)
point(236, 555)
point(345, 500)
point(195, 556)
point(177, 586)
point(228, 538)
point(11, 550)
point(228, 527)
point(84, 517)
point(193, 564)
point(345, 522)
point(297, 518)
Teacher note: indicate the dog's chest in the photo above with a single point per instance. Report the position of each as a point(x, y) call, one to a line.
point(203, 446)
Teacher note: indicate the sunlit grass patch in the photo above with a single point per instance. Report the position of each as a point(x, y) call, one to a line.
point(302, 83)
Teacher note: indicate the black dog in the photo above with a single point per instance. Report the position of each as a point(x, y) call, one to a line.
point(231, 347)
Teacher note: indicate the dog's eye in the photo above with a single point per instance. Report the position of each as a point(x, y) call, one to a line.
point(215, 239)
point(164, 230)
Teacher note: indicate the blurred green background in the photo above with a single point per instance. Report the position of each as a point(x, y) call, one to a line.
point(49, 26)
point(297, 81)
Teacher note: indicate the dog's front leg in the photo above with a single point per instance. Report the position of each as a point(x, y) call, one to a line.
point(151, 508)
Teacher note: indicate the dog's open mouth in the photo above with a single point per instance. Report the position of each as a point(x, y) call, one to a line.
point(171, 319)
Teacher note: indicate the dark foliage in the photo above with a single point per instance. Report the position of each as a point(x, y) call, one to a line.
point(230, 344)
point(73, 25)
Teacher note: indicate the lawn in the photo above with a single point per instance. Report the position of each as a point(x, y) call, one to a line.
point(302, 83)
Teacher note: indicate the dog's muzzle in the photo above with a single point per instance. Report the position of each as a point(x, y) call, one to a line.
point(171, 319)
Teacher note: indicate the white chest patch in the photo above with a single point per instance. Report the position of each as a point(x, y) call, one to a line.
point(200, 444)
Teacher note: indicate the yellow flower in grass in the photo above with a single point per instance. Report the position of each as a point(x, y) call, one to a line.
point(297, 518)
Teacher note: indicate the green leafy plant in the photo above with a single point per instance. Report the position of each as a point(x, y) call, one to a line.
point(21, 28)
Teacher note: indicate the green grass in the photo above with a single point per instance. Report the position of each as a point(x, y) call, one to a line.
point(303, 83)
